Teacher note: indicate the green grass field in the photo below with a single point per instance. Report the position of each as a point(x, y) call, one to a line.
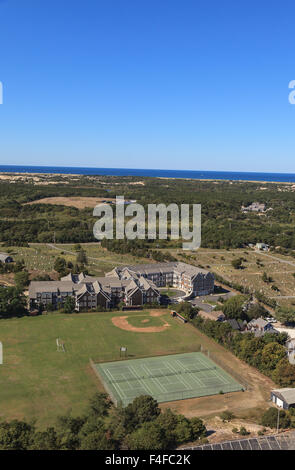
point(166, 378)
point(38, 382)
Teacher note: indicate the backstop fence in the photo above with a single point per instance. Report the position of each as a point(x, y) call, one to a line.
point(185, 394)
point(104, 382)
point(228, 369)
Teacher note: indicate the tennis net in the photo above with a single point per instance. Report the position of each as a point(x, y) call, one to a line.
point(152, 376)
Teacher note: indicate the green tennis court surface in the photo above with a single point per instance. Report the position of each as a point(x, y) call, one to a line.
point(166, 378)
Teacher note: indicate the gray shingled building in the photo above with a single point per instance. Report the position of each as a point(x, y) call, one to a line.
point(284, 397)
point(133, 285)
point(90, 292)
point(192, 280)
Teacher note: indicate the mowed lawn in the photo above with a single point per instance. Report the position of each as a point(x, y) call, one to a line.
point(38, 382)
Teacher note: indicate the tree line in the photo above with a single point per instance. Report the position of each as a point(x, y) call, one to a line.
point(139, 426)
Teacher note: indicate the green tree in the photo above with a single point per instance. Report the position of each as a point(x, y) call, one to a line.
point(266, 278)
point(284, 373)
point(99, 405)
point(285, 315)
point(243, 431)
point(68, 429)
point(270, 418)
point(226, 416)
point(271, 354)
point(233, 307)
point(237, 263)
point(144, 408)
point(16, 435)
point(46, 440)
point(198, 428)
point(149, 436)
point(186, 310)
point(21, 279)
point(19, 266)
point(60, 265)
point(183, 429)
point(82, 257)
point(12, 302)
point(69, 305)
point(96, 440)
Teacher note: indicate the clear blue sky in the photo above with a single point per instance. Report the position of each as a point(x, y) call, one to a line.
point(178, 84)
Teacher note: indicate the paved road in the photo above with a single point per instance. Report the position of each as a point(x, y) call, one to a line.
point(201, 302)
point(283, 297)
point(203, 306)
point(277, 259)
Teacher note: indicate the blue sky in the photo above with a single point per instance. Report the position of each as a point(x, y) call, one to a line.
point(172, 84)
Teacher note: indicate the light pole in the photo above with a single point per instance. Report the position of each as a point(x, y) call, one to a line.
point(278, 421)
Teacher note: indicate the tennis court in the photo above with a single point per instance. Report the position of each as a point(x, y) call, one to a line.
point(166, 378)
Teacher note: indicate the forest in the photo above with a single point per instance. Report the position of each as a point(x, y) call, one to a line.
point(224, 225)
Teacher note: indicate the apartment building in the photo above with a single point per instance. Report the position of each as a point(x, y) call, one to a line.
point(192, 280)
point(91, 292)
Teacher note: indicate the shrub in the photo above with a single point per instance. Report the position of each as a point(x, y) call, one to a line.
point(270, 418)
point(243, 431)
point(227, 416)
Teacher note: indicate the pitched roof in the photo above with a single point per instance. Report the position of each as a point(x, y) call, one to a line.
point(73, 277)
point(233, 323)
point(50, 287)
point(214, 315)
point(286, 394)
point(166, 268)
point(4, 256)
point(258, 322)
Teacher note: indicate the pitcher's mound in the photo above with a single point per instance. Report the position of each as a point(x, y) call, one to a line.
point(122, 322)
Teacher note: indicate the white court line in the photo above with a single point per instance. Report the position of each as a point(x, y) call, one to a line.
point(217, 374)
point(211, 370)
point(120, 376)
point(156, 380)
point(159, 385)
point(134, 378)
point(179, 379)
point(197, 380)
point(223, 379)
point(118, 389)
point(141, 381)
point(188, 387)
point(110, 374)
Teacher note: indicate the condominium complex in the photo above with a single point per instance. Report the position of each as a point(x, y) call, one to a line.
point(91, 292)
point(133, 285)
point(192, 280)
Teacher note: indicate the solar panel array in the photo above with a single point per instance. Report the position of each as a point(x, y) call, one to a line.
point(278, 442)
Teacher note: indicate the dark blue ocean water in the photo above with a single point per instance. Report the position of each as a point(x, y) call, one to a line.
point(214, 175)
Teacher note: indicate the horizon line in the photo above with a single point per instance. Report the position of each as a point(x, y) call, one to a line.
point(147, 169)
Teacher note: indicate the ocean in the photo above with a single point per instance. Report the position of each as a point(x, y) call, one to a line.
point(201, 175)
